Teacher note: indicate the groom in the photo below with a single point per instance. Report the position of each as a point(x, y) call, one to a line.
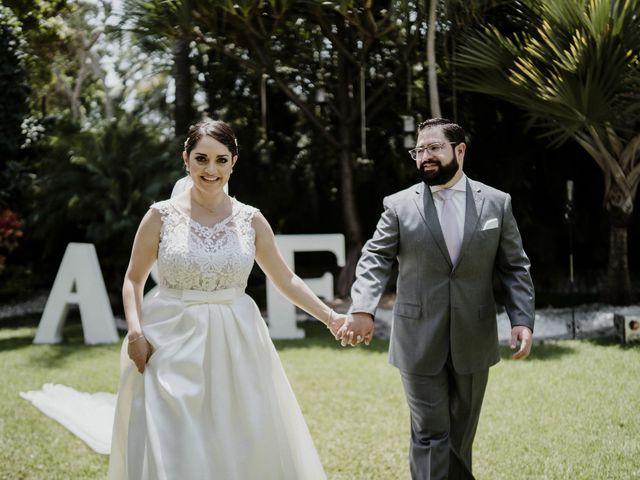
point(449, 235)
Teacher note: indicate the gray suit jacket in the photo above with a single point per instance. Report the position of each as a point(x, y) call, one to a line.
point(442, 307)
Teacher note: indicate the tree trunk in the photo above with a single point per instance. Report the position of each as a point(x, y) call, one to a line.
point(434, 97)
point(183, 111)
point(352, 227)
point(454, 79)
point(618, 289)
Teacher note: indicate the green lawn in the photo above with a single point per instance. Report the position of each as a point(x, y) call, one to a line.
point(572, 411)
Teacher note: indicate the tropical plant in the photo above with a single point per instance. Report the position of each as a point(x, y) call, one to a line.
point(95, 184)
point(574, 68)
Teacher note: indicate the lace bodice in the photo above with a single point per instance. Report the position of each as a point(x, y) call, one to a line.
point(195, 257)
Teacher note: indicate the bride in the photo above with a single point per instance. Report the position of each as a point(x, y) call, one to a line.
point(202, 392)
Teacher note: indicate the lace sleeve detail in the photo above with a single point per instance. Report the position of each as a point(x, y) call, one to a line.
point(163, 207)
point(167, 214)
point(251, 212)
point(244, 218)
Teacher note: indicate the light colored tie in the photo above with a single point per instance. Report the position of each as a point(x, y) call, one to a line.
point(449, 224)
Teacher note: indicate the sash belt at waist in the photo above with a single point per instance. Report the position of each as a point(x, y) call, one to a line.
point(228, 295)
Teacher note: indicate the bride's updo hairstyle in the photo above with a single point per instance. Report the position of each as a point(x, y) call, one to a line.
point(215, 129)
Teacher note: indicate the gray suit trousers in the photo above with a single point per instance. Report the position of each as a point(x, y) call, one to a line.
point(444, 410)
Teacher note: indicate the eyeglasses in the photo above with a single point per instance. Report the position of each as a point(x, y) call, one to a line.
point(432, 148)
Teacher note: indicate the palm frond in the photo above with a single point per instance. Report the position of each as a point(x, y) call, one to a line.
point(576, 66)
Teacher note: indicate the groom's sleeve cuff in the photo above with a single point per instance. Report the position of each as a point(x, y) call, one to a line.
point(362, 310)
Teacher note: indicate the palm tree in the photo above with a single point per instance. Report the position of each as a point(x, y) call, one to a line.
point(574, 67)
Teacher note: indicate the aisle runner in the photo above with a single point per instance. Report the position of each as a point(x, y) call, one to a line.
point(87, 415)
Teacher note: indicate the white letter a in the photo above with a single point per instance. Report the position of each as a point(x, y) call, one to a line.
point(79, 267)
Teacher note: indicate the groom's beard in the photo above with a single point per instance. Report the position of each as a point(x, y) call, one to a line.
point(440, 175)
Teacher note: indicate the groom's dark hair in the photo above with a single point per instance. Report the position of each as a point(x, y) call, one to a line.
point(453, 131)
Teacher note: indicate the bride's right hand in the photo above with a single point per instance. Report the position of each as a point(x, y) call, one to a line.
point(139, 352)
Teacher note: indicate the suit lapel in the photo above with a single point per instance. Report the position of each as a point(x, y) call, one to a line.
point(427, 208)
point(474, 204)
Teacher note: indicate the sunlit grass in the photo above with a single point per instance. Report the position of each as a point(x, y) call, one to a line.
point(571, 411)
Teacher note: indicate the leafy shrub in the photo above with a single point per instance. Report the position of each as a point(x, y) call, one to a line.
point(94, 186)
point(10, 232)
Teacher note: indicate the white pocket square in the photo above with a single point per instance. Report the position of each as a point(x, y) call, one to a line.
point(491, 223)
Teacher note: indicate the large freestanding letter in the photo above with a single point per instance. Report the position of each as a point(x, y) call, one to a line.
point(281, 314)
point(79, 281)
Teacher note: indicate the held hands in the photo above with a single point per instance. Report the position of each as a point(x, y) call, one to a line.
point(335, 323)
point(352, 329)
point(523, 335)
point(139, 350)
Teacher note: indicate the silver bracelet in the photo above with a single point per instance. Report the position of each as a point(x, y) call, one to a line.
point(136, 339)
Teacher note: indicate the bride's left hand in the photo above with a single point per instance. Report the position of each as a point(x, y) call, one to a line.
point(139, 352)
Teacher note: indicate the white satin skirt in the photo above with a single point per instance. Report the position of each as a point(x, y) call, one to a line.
point(213, 402)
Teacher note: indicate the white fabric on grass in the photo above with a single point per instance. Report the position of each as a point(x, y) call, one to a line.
point(87, 415)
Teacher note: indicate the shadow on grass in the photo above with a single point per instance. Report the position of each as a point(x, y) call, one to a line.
point(541, 351)
point(25, 328)
point(317, 336)
point(614, 342)
point(20, 321)
point(18, 332)
point(47, 355)
point(71, 345)
point(17, 341)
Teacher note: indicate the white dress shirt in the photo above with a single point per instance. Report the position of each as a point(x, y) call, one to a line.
point(459, 201)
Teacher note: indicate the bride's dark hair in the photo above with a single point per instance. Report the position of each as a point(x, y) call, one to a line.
point(214, 129)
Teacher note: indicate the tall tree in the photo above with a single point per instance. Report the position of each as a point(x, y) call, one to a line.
point(77, 68)
point(574, 67)
point(350, 54)
point(167, 26)
point(41, 25)
point(432, 65)
point(456, 17)
point(64, 47)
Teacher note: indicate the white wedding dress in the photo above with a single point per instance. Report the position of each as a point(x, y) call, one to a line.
point(214, 401)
